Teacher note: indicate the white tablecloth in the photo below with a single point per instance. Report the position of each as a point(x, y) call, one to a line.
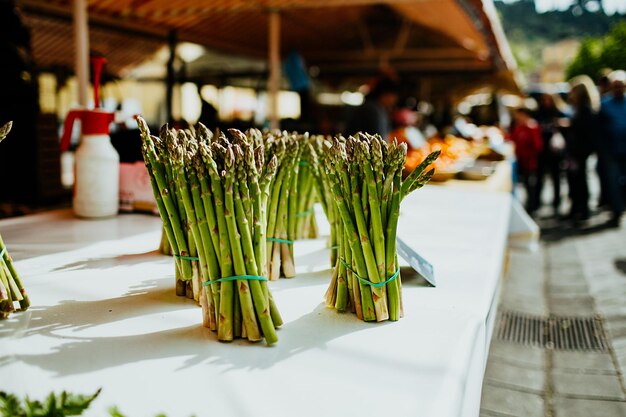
point(104, 314)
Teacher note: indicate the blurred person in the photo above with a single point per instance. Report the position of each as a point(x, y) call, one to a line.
point(373, 115)
point(526, 135)
point(209, 115)
point(604, 84)
point(613, 144)
point(581, 141)
point(604, 88)
point(299, 80)
point(549, 117)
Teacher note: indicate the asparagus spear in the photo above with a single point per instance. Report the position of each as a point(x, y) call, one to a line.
point(5, 129)
point(226, 322)
point(261, 303)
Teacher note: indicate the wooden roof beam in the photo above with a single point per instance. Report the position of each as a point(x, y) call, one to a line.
point(416, 66)
point(97, 20)
point(408, 53)
point(158, 9)
point(403, 36)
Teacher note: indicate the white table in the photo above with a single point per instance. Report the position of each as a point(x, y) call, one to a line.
point(104, 314)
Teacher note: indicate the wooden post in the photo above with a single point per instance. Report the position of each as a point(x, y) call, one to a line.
point(274, 68)
point(170, 78)
point(81, 46)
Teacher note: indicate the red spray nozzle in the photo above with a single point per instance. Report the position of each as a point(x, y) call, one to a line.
point(93, 122)
point(97, 62)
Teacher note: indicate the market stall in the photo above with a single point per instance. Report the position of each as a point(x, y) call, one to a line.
point(104, 307)
point(447, 48)
point(105, 315)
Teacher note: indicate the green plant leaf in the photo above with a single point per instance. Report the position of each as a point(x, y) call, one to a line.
point(75, 404)
point(10, 405)
point(65, 404)
point(115, 412)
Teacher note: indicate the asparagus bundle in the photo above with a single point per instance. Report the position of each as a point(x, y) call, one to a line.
point(365, 176)
point(223, 186)
point(282, 207)
point(172, 210)
point(318, 154)
point(306, 227)
point(11, 288)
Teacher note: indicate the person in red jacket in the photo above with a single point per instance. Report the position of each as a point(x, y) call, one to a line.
point(526, 135)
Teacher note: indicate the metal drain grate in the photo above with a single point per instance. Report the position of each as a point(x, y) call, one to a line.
point(562, 333)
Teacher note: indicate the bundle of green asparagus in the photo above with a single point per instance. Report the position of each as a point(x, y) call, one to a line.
point(223, 187)
point(176, 229)
point(365, 175)
point(11, 288)
point(306, 226)
point(282, 210)
point(318, 154)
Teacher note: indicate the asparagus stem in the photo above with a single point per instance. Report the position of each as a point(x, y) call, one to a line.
point(158, 171)
point(393, 287)
point(225, 329)
point(273, 216)
point(261, 305)
point(415, 174)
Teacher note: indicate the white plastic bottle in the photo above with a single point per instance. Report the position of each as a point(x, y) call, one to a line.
point(97, 164)
point(96, 192)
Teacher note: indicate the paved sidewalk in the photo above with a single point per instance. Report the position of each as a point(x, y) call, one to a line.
point(575, 274)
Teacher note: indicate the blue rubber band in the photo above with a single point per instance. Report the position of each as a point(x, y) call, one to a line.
point(234, 278)
point(279, 240)
point(305, 213)
point(187, 258)
point(365, 281)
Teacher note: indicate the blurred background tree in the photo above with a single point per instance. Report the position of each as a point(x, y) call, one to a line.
point(537, 35)
point(588, 60)
point(614, 48)
point(596, 54)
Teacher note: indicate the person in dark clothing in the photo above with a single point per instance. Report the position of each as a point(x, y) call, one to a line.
point(604, 88)
point(580, 144)
point(208, 113)
point(551, 158)
point(604, 84)
point(613, 145)
point(373, 115)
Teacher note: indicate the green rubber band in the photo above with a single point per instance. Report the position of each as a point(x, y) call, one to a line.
point(303, 163)
point(365, 281)
point(305, 213)
point(334, 247)
point(234, 278)
point(279, 240)
point(187, 258)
